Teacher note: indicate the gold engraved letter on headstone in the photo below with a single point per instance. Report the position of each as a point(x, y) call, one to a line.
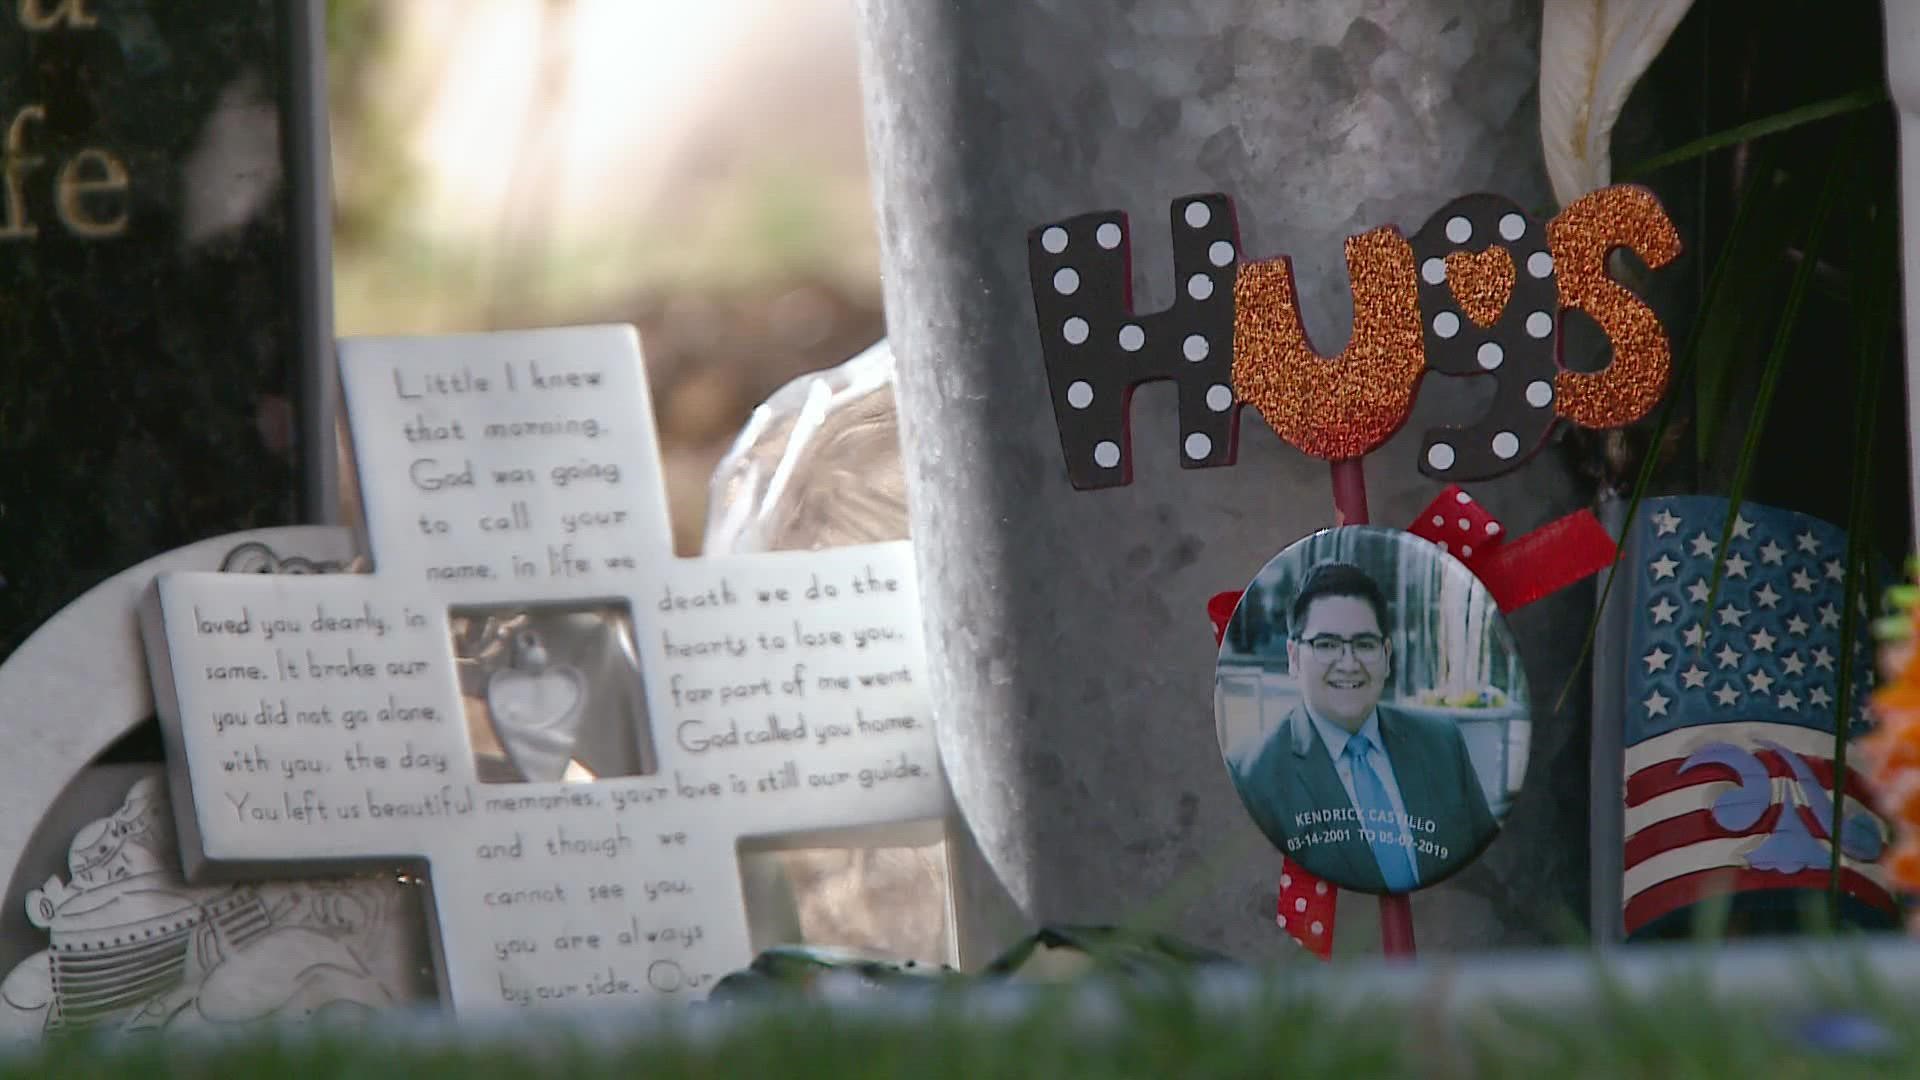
point(35, 17)
point(97, 173)
point(14, 165)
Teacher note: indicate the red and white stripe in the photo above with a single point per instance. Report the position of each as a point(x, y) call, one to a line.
point(1676, 854)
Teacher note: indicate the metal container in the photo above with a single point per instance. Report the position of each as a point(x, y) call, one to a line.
point(1071, 655)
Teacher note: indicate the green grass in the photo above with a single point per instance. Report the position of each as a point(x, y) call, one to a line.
point(1299, 1028)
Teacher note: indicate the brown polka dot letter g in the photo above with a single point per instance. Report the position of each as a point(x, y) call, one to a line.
point(1097, 349)
point(1489, 309)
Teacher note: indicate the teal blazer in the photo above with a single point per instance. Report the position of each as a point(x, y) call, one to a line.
point(1293, 774)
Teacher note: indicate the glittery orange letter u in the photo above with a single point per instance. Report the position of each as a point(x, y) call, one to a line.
point(1332, 407)
point(1581, 237)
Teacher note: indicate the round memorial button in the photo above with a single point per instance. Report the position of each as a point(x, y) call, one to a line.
point(1372, 709)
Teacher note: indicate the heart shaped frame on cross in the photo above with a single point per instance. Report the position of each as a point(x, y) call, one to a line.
point(536, 708)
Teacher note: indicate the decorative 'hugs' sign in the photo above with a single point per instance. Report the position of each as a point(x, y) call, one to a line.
point(1479, 290)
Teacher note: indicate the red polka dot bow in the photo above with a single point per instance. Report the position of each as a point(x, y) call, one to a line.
point(1516, 572)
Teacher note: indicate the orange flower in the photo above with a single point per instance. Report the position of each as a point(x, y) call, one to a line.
point(1893, 751)
point(1903, 864)
point(1895, 747)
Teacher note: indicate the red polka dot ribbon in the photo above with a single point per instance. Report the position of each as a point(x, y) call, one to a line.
point(1306, 909)
point(1516, 571)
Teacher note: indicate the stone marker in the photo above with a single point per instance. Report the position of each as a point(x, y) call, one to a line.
point(162, 272)
point(1073, 672)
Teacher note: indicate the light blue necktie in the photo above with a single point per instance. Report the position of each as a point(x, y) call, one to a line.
point(1376, 813)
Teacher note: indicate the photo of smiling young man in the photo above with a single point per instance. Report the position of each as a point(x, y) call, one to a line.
point(1374, 794)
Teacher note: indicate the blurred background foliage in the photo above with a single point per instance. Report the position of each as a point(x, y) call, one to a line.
point(696, 170)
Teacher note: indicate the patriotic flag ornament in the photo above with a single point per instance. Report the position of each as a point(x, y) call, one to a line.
point(1731, 699)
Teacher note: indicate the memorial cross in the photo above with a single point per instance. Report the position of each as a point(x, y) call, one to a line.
point(315, 724)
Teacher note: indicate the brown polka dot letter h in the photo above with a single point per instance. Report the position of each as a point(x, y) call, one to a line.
point(1098, 349)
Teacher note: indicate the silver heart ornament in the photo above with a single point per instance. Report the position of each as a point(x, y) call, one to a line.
point(536, 716)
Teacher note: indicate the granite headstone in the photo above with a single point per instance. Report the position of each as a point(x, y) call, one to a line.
point(162, 269)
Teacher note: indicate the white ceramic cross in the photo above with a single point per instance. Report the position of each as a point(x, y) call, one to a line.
point(316, 723)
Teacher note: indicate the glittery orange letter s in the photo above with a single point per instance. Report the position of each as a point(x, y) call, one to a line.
point(1344, 406)
point(1580, 238)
